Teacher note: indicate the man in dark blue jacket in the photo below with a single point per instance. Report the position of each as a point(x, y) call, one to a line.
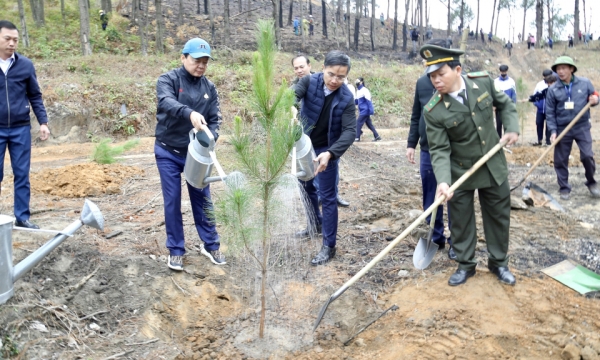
point(564, 100)
point(19, 93)
point(539, 100)
point(417, 135)
point(186, 100)
point(329, 118)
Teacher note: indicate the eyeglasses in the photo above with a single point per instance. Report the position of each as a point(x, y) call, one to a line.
point(338, 77)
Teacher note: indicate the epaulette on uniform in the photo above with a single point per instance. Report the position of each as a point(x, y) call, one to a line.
point(433, 102)
point(478, 74)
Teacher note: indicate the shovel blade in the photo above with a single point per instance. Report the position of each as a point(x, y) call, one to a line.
point(424, 253)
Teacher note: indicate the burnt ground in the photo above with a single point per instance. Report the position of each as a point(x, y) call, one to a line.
point(135, 306)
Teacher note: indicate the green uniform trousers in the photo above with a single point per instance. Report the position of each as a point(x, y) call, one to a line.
point(495, 212)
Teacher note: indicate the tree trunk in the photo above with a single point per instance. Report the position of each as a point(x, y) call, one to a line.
point(37, 11)
point(62, 11)
point(497, 21)
point(524, 17)
point(211, 23)
point(159, 27)
point(24, 34)
point(427, 14)
point(226, 20)
point(576, 22)
point(539, 18)
point(84, 28)
point(206, 3)
point(395, 34)
point(275, 15)
point(372, 25)
point(324, 11)
point(550, 21)
point(198, 6)
point(290, 15)
point(280, 14)
point(240, 7)
point(348, 24)
point(585, 28)
point(405, 26)
point(477, 26)
point(180, 15)
point(421, 28)
point(388, 10)
point(310, 7)
point(357, 23)
point(449, 30)
point(134, 11)
point(462, 15)
point(493, 16)
point(144, 30)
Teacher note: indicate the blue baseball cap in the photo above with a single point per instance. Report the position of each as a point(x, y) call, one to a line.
point(197, 48)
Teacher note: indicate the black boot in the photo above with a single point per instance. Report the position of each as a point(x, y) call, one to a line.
point(503, 274)
point(342, 202)
point(460, 277)
point(327, 253)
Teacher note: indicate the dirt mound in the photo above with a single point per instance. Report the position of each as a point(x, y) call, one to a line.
point(523, 155)
point(83, 179)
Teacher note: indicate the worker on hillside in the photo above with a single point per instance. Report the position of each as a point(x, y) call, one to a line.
point(417, 134)
point(302, 68)
point(19, 93)
point(311, 25)
point(382, 19)
point(304, 27)
point(482, 36)
point(509, 47)
point(186, 100)
point(103, 19)
point(570, 38)
point(460, 132)
point(539, 100)
point(506, 84)
point(329, 119)
point(414, 36)
point(565, 99)
point(365, 110)
point(296, 26)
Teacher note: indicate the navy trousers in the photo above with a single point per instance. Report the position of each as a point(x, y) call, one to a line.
point(499, 124)
point(170, 167)
point(583, 137)
point(327, 189)
point(429, 188)
point(337, 181)
point(18, 141)
point(540, 119)
point(362, 120)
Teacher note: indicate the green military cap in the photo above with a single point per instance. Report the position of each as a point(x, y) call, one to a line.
point(564, 60)
point(437, 56)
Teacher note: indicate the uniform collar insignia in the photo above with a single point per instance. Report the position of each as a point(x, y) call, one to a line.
point(475, 86)
point(447, 104)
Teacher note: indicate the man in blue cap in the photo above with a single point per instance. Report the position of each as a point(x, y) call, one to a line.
point(186, 100)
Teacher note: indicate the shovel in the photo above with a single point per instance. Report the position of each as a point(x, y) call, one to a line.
point(558, 138)
point(426, 249)
point(400, 237)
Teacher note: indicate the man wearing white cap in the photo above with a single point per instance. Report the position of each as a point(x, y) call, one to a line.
point(186, 100)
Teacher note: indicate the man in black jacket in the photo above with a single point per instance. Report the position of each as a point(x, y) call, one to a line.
point(329, 118)
point(417, 134)
point(19, 91)
point(186, 100)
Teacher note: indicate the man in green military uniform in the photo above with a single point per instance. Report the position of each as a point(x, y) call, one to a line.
point(460, 130)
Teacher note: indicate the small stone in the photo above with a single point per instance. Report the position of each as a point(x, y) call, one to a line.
point(451, 357)
point(360, 342)
point(192, 338)
point(213, 354)
point(594, 344)
point(571, 352)
point(589, 354)
point(319, 349)
point(153, 257)
point(403, 273)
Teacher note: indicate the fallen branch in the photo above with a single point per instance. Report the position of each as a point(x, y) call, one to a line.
point(143, 343)
point(393, 308)
point(148, 203)
point(84, 280)
point(92, 315)
point(116, 356)
point(180, 288)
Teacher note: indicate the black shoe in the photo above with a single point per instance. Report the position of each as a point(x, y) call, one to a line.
point(26, 224)
point(327, 253)
point(451, 253)
point(565, 195)
point(342, 202)
point(537, 143)
point(460, 277)
point(377, 138)
point(593, 189)
point(306, 232)
point(503, 274)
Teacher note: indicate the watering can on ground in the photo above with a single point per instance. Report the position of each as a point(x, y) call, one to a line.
point(201, 158)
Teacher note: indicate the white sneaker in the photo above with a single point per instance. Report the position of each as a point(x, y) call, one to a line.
point(175, 263)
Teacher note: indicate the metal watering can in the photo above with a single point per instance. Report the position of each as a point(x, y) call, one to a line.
point(200, 160)
point(90, 216)
point(303, 155)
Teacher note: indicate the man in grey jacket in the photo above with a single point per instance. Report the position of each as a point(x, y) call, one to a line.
point(186, 100)
point(564, 100)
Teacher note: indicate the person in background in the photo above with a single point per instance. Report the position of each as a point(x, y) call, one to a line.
point(539, 100)
point(186, 100)
point(570, 41)
point(506, 84)
point(311, 25)
point(103, 19)
point(532, 41)
point(382, 19)
point(329, 118)
point(414, 36)
point(490, 36)
point(296, 26)
point(482, 36)
point(509, 47)
point(365, 110)
point(19, 93)
point(550, 42)
point(564, 100)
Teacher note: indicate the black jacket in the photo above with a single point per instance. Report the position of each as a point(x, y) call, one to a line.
point(423, 93)
point(19, 92)
point(179, 93)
